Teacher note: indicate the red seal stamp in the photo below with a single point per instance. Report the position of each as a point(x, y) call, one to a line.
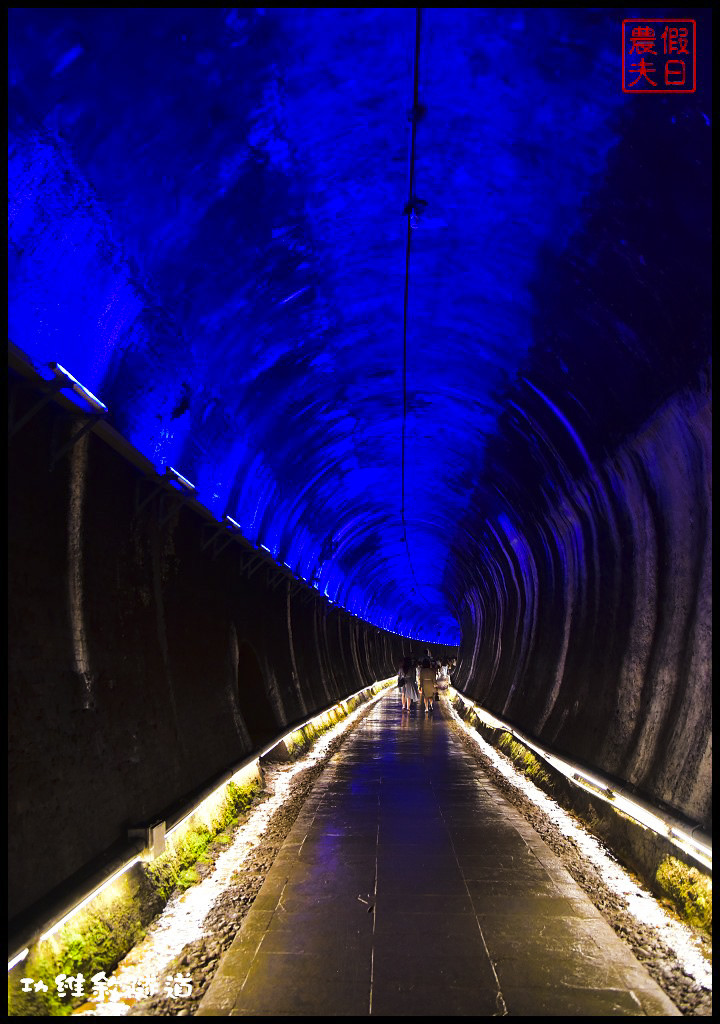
point(659, 55)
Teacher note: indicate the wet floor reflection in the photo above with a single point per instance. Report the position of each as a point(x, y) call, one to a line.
point(434, 889)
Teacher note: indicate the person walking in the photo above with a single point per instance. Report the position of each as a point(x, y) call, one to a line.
point(407, 684)
point(427, 683)
point(443, 680)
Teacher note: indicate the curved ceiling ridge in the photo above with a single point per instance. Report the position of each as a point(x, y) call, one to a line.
point(372, 298)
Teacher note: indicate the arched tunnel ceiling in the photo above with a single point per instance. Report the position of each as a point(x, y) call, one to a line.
point(209, 230)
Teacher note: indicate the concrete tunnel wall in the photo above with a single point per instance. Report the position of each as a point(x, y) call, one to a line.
point(140, 666)
point(590, 626)
point(217, 291)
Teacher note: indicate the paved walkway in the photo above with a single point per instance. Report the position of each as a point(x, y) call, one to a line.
point(409, 886)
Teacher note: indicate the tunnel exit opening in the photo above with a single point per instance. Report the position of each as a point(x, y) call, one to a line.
point(257, 711)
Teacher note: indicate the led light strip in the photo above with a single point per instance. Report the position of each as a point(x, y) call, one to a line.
point(178, 478)
point(383, 684)
point(243, 769)
point(64, 917)
point(78, 388)
point(63, 375)
point(662, 825)
point(88, 899)
point(19, 958)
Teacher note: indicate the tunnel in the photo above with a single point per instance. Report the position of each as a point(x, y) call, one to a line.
point(338, 336)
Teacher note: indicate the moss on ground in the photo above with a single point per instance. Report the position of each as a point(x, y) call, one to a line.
point(686, 889)
point(302, 739)
point(689, 890)
point(98, 937)
point(526, 761)
point(95, 940)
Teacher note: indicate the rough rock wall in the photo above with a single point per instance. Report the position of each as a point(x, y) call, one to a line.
point(140, 666)
point(589, 625)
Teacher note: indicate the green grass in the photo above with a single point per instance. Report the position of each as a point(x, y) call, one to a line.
point(98, 937)
point(525, 760)
point(689, 890)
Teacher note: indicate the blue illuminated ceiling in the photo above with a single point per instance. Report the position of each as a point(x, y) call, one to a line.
point(207, 230)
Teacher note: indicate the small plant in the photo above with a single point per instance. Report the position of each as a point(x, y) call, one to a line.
point(689, 890)
point(100, 935)
point(525, 760)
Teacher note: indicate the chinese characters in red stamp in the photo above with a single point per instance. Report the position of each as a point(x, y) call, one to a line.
point(659, 55)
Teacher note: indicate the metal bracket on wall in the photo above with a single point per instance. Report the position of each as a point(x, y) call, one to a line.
point(50, 389)
point(280, 577)
point(293, 585)
point(214, 537)
point(253, 565)
point(172, 502)
point(153, 836)
point(246, 560)
point(208, 533)
point(57, 450)
point(157, 487)
point(143, 483)
point(306, 598)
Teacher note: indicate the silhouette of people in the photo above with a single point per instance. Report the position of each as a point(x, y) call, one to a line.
point(443, 680)
point(427, 676)
point(407, 683)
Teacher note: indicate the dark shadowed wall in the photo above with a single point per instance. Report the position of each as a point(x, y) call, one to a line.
point(589, 623)
point(467, 394)
point(140, 665)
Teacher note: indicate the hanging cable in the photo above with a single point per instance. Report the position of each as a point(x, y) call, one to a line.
point(411, 209)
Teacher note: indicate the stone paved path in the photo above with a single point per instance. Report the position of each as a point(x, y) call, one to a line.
point(408, 886)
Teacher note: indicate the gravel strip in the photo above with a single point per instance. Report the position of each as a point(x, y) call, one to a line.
point(659, 960)
point(200, 959)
